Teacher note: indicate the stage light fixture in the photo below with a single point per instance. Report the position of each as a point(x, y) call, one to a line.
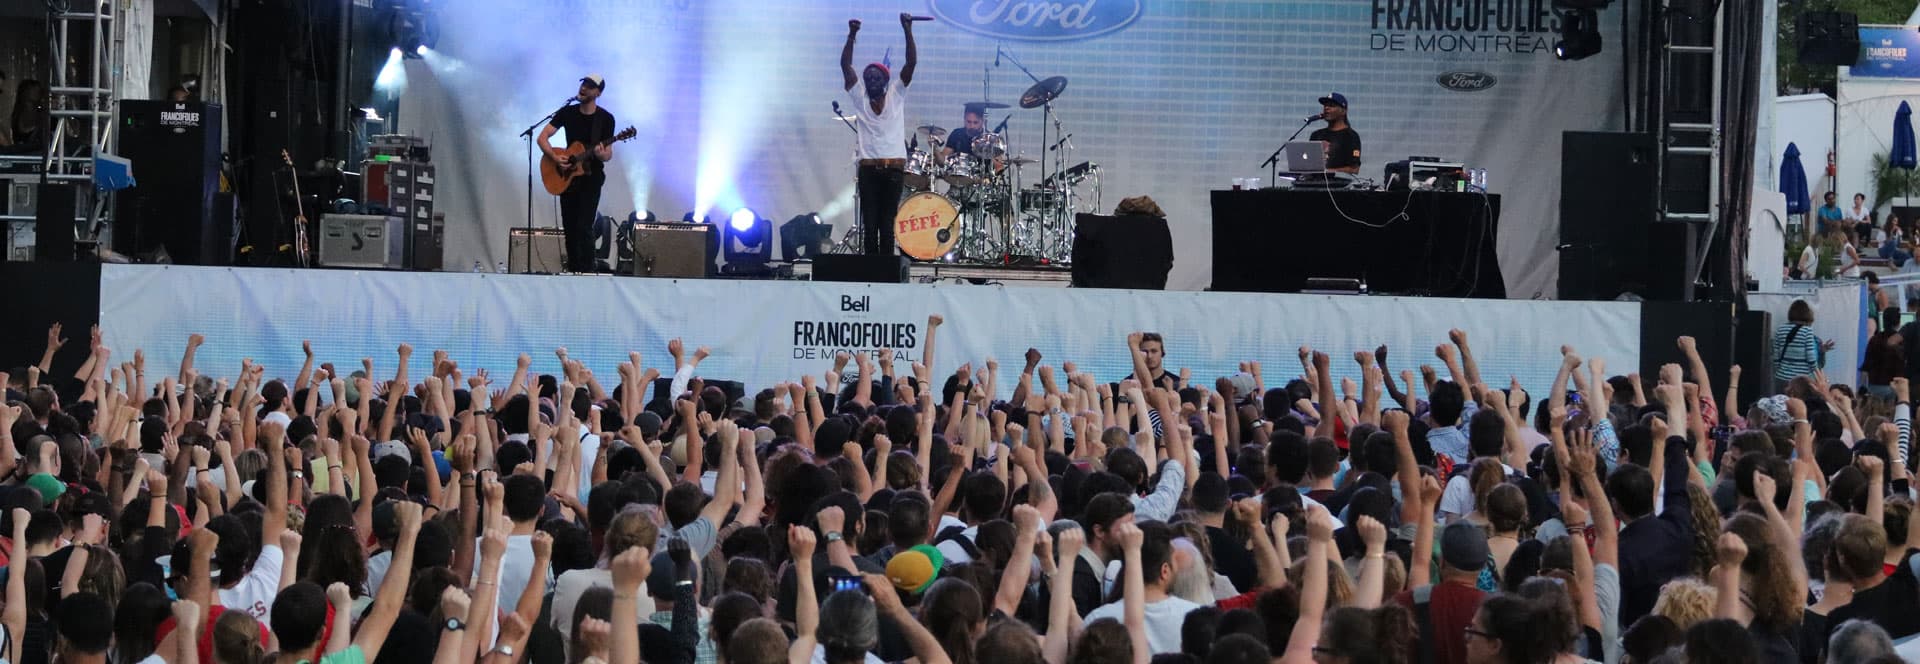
point(803, 235)
point(1579, 35)
point(749, 243)
point(393, 75)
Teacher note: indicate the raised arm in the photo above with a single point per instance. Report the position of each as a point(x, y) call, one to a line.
point(1313, 589)
point(1060, 613)
point(806, 608)
point(913, 52)
point(1368, 592)
point(1013, 580)
point(1459, 338)
point(1133, 590)
point(847, 75)
point(14, 615)
point(1696, 368)
point(372, 632)
point(630, 568)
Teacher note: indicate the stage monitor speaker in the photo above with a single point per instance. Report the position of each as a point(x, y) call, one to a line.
point(671, 250)
point(1673, 252)
point(860, 268)
point(1607, 186)
point(1134, 251)
point(427, 248)
point(547, 245)
point(1829, 38)
point(175, 149)
point(1753, 351)
point(53, 222)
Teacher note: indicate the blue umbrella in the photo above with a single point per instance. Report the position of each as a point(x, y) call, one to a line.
point(1902, 153)
point(1793, 182)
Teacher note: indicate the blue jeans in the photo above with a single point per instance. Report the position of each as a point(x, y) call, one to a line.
point(1894, 254)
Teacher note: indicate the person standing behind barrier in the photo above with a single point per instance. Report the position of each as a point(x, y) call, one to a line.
point(1797, 351)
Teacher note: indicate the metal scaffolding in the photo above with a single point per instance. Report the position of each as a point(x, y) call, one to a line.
point(88, 47)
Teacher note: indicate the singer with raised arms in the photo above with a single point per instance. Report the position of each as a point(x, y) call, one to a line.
point(589, 125)
point(880, 118)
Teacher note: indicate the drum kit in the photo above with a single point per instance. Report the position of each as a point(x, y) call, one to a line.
point(981, 205)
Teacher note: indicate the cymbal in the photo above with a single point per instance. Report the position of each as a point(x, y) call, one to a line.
point(1022, 160)
point(932, 130)
point(1043, 92)
point(845, 118)
point(987, 104)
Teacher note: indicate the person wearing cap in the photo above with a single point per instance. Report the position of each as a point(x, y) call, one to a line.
point(1343, 143)
point(588, 124)
point(880, 119)
point(1451, 604)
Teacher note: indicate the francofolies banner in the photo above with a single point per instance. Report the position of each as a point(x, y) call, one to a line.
point(1169, 98)
point(1888, 52)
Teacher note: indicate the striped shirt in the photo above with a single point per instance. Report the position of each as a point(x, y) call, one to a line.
point(1800, 357)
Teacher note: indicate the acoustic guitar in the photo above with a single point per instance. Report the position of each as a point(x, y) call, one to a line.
point(557, 178)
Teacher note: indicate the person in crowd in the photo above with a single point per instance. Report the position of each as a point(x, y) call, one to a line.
point(1797, 350)
point(1829, 215)
point(1171, 526)
point(1859, 217)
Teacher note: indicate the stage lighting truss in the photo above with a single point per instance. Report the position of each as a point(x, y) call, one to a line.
point(749, 238)
point(413, 30)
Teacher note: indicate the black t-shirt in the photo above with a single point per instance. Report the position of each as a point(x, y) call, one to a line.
point(961, 140)
point(585, 129)
point(1343, 146)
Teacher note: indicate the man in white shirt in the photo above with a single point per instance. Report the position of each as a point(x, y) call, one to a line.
point(524, 497)
point(880, 119)
point(252, 590)
point(1165, 613)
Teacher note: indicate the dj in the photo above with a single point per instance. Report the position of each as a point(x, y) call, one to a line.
point(1343, 143)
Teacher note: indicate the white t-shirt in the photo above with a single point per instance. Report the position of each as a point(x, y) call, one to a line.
point(570, 586)
point(377, 565)
point(953, 552)
point(1164, 619)
point(1809, 262)
point(1458, 498)
point(254, 594)
point(882, 135)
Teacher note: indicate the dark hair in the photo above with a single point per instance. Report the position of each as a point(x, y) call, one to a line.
point(1323, 457)
point(1800, 313)
point(1198, 629)
point(1445, 403)
point(1773, 466)
point(908, 518)
point(682, 503)
point(1721, 641)
point(730, 611)
point(137, 620)
point(1287, 455)
point(1127, 465)
point(1156, 550)
point(1239, 649)
point(1009, 642)
point(950, 609)
point(340, 560)
point(757, 641)
point(524, 497)
point(1103, 641)
point(1649, 637)
point(985, 494)
point(1527, 629)
point(85, 621)
point(299, 614)
point(1103, 510)
point(1385, 635)
point(748, 576)
point(1486, 434)
point(595, 602)
point(1631, 487)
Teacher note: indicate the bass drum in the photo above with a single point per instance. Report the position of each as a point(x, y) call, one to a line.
point(927, 226)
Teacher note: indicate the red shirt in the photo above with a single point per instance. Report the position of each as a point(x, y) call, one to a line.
point(1451, 610)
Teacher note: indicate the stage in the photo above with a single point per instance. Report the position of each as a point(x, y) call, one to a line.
point(963, 273)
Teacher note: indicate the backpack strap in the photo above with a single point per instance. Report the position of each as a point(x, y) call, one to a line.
point(1791, 335)
point(958, 535)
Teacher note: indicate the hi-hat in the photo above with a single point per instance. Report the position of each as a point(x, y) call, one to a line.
point(933, 131)
point(987, 104)
point(1043, 92)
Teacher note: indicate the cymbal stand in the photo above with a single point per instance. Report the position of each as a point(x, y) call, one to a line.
point(850, 241)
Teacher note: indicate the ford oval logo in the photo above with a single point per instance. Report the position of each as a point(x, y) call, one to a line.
point(1039, 20)
point(1466, 81)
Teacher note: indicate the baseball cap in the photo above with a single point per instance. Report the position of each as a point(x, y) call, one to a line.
point(49, 487)
point(914, 569)
point(1243, 384)
point(391, 447)
point(1463, 546)
point(1334, 99)
point(599, 82)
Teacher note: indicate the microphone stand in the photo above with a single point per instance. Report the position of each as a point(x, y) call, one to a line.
point(528, 134)
point(1273, 161)
point(1049, 106)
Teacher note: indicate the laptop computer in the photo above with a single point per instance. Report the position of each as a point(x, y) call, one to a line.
point(1306, 156)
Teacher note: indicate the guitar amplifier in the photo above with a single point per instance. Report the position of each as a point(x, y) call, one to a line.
point(670, 250)
point(548, 246)
point(427, 246)
point(362, 241)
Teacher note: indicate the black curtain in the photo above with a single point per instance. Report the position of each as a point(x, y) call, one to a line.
point(1743, 33)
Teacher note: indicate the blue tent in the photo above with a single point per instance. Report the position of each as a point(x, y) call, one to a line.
point(1901, 155)
point(1793, 182)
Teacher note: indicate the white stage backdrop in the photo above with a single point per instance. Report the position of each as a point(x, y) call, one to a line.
point(1171, 98)
point(762, 332)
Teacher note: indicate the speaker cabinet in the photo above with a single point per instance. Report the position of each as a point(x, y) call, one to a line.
point(860, 268)
point(1607, 186)
point(175, 150)
point(671, 250)
point(1134, 251)
point(53, 222)
point(544, 250)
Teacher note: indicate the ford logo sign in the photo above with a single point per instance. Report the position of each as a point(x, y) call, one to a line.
point(1039, 20)
point(1466, 81)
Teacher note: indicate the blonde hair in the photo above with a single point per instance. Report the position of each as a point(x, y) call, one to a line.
point(236, 639)
point(1686, 600)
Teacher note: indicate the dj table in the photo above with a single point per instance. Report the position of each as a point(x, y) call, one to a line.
point(1273, 240)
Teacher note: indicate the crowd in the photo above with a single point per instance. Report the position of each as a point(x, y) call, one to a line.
point(887, 514)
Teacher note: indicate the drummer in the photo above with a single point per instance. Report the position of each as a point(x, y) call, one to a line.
point(973, 127)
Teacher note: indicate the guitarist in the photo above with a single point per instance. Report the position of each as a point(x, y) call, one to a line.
point(588, 124)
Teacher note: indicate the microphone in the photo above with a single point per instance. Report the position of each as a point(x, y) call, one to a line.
point(1003, 125)
point(1317, 117)
point(996, 56)
point(836, 109)
point(922, 18)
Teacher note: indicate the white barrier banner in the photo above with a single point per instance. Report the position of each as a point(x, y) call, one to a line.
point(763, 332)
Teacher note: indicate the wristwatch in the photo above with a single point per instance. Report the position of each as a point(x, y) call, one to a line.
point(835, 537)
point(455, 625)
point(504, 649)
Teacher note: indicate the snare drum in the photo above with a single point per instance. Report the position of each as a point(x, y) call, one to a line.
point(990, 146)
point(962, 170)
point(922, 168)
point(926, 227)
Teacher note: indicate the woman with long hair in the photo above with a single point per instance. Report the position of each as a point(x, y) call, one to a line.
point(1760, 579)
point(952, 610)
